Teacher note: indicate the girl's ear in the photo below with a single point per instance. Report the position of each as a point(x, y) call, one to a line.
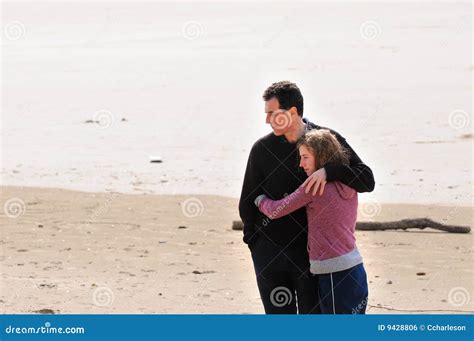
point(316, 161)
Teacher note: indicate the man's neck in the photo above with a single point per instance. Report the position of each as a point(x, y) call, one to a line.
point(296, 132)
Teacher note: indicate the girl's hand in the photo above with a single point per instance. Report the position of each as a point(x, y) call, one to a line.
point(318, 180)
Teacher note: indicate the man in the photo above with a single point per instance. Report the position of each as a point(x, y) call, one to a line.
point(279, 247)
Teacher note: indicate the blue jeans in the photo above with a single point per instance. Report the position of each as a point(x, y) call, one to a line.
point(344, 292)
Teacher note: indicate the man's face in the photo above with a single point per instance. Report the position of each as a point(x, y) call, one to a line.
point(279, 119)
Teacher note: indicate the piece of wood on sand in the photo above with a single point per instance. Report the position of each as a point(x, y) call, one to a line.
point(404, 224)
point(237, 225)
point(419, 223)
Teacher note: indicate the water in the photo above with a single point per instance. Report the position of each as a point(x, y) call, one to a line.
point(188, 80)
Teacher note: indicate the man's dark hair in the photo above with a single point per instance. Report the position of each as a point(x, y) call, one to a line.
point(287, 94)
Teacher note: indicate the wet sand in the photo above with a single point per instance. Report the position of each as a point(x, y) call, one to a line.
point(185, 83)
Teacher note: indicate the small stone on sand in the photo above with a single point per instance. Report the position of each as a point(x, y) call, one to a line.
point(155, 159)
point(44, 311)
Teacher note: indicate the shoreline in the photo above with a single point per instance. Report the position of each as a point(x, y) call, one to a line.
point(367, 196)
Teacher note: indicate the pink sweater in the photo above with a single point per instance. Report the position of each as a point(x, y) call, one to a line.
point(331, 224)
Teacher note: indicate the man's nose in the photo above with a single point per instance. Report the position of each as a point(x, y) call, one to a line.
point(301, 164)
point(267, 120)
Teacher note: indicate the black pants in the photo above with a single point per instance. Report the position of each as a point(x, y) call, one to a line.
point(286, 286)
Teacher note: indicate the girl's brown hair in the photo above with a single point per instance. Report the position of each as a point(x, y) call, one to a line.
point(325, 147)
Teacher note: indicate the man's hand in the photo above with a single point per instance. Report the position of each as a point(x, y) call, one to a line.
point(318, 179)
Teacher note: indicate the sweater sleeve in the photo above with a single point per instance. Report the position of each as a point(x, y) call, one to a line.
point(250, 189)
point(356, 175)
point(274, 209)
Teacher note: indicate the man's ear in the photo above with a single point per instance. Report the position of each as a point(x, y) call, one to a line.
point(293, 111)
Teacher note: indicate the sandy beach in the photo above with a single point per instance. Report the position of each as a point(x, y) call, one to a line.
point(76, 252)
point(91, 92)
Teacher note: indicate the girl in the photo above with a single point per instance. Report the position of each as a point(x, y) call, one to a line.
point(332, 218)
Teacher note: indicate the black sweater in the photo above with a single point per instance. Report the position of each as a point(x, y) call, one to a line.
point(273, 169)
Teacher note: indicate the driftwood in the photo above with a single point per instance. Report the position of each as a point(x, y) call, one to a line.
point(420, 223)
point(237, 225)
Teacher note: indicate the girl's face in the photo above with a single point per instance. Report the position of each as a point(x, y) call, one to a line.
point(307, 160)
